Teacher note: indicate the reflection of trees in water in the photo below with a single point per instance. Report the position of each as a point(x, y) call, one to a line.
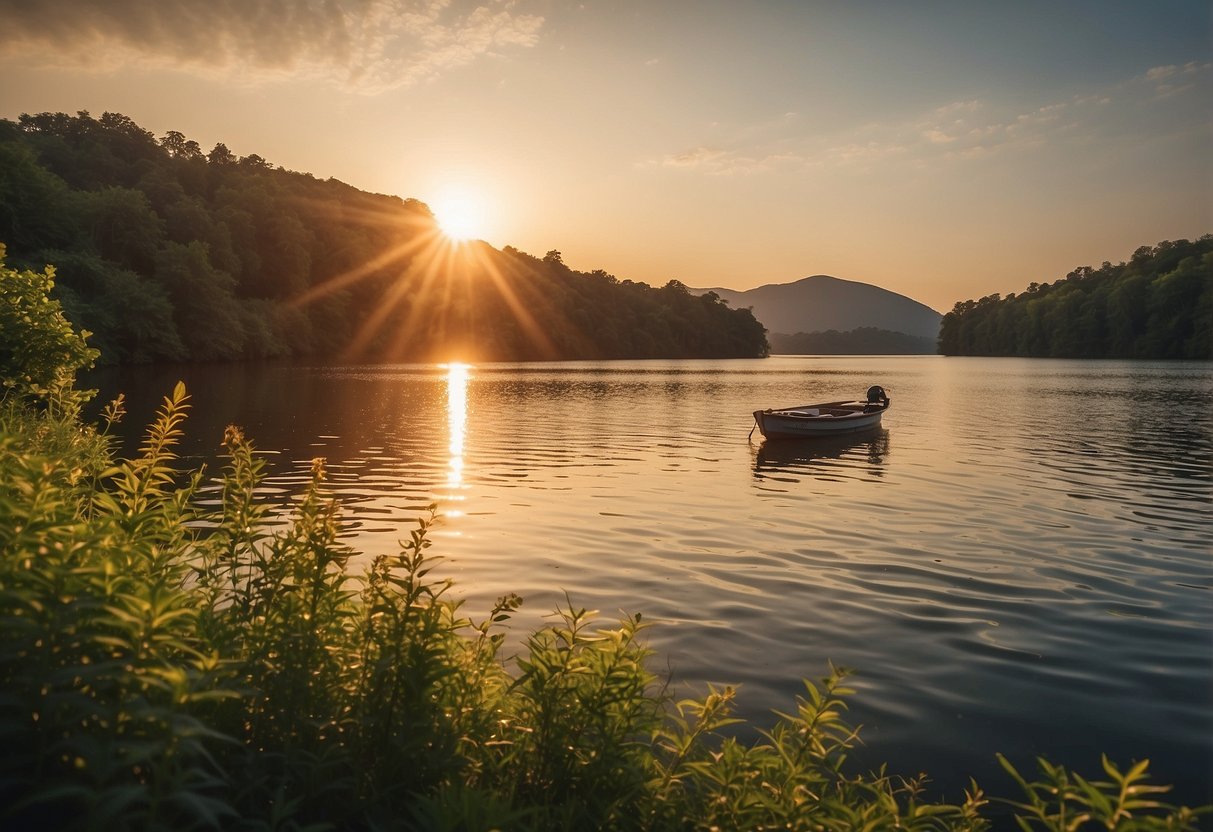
point(823, 458)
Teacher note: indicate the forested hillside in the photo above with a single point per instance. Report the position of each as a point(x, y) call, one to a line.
point(167, 252)
point(1158, 305)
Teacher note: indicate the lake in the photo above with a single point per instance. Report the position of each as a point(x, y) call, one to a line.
point(1019, 561)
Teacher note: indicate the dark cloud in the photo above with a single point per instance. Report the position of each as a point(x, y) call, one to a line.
point(371, 44)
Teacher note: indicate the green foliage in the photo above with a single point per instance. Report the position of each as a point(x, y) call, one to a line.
point(131, 316)
point(1062, 800)
point(37, 209)
point(206, 311)
point(222, 258)
point(40, 352)
point(1158, 305)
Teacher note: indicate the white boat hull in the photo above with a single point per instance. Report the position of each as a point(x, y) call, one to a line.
point(831, 419)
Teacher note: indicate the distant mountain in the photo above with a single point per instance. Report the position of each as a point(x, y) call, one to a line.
point(820, 303)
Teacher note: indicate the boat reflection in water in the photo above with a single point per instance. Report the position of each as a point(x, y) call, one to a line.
point(827, 458)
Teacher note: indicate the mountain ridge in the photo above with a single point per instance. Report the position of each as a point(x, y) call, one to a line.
point(822, 302)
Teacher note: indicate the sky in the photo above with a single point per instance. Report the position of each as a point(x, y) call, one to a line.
point(943, 150)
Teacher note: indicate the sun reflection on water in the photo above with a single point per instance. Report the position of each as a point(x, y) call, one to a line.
point(457, 416)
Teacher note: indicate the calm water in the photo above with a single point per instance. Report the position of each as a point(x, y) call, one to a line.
point(1020, 561)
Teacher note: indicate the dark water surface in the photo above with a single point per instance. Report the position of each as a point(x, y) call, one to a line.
point(1021, 560)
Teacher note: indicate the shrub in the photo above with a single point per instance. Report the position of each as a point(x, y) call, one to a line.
point(39, 351)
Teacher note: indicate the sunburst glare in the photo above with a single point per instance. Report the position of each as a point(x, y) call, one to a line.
point(460, 214)
point(427, 263)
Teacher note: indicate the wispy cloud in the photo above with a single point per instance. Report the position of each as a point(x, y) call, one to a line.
point(967, 129)
point(718, 162)
point(971, 130)
point(1174, 79)
point(699, 157)
point(368, 45)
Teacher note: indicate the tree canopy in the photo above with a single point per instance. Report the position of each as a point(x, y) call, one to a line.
point(167, 252)
point(1157, 305)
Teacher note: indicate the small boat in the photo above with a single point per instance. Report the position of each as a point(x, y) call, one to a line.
point(828, 419)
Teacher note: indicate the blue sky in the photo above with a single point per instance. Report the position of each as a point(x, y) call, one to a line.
point(945, 150)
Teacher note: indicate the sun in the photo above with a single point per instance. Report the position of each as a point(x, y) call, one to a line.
point(460, 214)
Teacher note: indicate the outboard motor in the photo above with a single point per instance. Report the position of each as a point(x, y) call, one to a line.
point(877, 398)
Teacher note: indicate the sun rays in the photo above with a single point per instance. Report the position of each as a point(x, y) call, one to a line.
point(432, 296)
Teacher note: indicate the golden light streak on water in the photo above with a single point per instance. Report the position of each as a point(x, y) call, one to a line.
point(457, 417)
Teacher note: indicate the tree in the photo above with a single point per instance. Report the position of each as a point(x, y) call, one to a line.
point(254, 162)
point(179, 147)
point(221, 156)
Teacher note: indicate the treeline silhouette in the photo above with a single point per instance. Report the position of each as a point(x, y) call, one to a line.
point(165, 252)
point(1157, 305)
point(864, 340)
